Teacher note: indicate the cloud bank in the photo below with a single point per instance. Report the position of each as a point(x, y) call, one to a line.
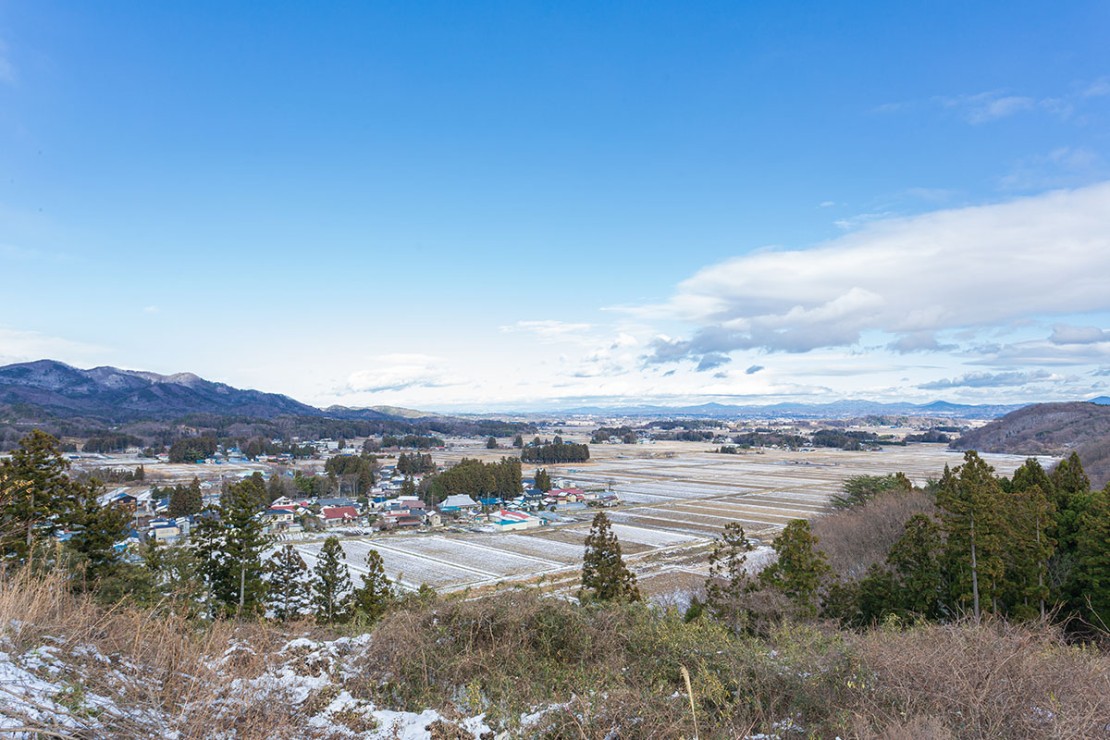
point(965, 268)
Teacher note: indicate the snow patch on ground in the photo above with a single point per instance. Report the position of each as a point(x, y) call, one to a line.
point(45, 688)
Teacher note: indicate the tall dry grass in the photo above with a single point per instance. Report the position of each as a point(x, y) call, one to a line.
point(590, 672)
point(992, 680)
point(167, 672)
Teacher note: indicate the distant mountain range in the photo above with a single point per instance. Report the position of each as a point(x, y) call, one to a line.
point(55, 389)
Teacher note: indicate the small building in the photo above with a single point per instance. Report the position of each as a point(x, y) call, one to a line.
point(335, 516)
point(510, 521)
point(400, 520)
point(458, 503)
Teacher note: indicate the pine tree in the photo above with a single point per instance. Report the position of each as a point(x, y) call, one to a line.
point(915, 565)
point(543, 480)
point(274, 488)
point(230, 552)
point(97, 529)
point(376, 593)
point(287, 578)
point(1091, 576)
point(605, 577)
point(1029, 548)
point(971, 503)
point(331, 584)
point(800, 569)
point(186, 500)
point(1069, 479)
point(38, 495)
point(728, 577)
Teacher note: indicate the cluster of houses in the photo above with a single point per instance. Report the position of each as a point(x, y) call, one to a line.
point(384, 508)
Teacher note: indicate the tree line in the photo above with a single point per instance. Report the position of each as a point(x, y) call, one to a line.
point(555, 452)
point(1031, 547)
point(501, 479)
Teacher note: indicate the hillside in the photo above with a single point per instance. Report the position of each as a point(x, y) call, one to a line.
point(112, 394)
point(519, 665)
point(1050, 429)
point(70, 402)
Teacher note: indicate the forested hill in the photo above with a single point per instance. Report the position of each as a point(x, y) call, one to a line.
point(112, 394)
point(69, 402)
point(1050, 429)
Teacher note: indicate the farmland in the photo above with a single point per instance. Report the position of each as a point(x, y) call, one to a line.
point(677, 496)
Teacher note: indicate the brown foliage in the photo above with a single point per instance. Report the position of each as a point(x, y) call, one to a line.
point(855, 539)
point(994, 680)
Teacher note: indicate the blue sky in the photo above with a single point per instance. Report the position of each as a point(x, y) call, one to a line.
point(526, 205)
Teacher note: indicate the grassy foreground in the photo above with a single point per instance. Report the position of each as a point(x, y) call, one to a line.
point(538, 667)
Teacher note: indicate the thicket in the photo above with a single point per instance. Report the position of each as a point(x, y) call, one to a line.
point(475, 478)
point(555, 453)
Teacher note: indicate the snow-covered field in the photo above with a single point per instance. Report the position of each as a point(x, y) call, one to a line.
point(681, 497)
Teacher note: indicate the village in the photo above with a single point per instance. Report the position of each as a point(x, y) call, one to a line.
point(667, 499)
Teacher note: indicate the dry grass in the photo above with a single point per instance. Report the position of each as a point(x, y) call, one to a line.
point(159, 667)
point(592, 672)
point(995, 680)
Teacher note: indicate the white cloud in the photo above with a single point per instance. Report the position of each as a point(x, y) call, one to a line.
point(994, 105)
point(978, 267)
point(395, 372)
point(548, 328)
point(1059, 167)
point(989, 380)
point(987, 106)
point(1097, 89)
point(26, 346)
point(1064, 334)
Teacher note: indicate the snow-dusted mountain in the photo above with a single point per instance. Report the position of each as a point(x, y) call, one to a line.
point(114, 394)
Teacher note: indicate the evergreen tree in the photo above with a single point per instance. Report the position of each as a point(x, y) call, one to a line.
point(38, 495)
point(408, 487)
point(728, 577)
point(971, 503)
point(186, 500)
point(229, 549)
point(376, 593)
point(286, 577)
point(1029, 548)
point(605, 577)
point(331, 584)
point(250, 491)
point(543, 480)
point(518, 442)
point(491, 443)
point(96, 531)
point(800, 568)
point(275, 488)
point(915, 565)
point(1091, 576)
point(177, 579)
point(1068, 480)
